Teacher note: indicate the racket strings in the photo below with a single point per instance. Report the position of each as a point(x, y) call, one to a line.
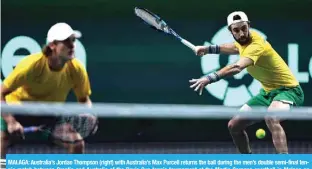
point(148, 18)
point(74, 128)
point(152, 20)
point(82, 124)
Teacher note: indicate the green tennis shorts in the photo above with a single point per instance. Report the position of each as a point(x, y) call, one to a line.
point(293, 96)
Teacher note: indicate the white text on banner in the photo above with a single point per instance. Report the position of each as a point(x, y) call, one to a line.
point(158, 161)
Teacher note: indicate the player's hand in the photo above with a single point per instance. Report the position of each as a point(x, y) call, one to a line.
point(15, 129)
point(200, 50)
point(199, 84)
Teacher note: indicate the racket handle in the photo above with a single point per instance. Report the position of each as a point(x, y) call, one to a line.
point(188, 44)
point(30, 129)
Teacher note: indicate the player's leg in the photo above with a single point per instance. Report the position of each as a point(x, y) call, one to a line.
point(284, 99)
point(4, 138)
point(65, 136)
point(237, 126)
point(4, 144)
point(277, 131)
point(4, 135)
point(7, 139)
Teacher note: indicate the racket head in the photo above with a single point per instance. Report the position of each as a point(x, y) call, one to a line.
point(85, 125)
point(153, 20)
point(68, 129)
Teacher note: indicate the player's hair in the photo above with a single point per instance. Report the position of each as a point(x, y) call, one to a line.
point(46, 50)
point(236, 17)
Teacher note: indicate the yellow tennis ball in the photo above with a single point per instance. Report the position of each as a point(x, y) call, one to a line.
point(260, 133)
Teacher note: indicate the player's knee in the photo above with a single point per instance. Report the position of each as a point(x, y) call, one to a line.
point(230, 125)
point(245, 107)
point(4, 136)
point(279, 105)
point(77, 147)
point(233, 126)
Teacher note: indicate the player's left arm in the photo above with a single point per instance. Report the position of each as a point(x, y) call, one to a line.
point(248, 58)
point(227, 71)
point(82, 88)
point(82, 91)
point(85, 100)
point(235, 68)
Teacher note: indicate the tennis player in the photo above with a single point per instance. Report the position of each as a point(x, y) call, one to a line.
point(280, 89)
point(48, 76)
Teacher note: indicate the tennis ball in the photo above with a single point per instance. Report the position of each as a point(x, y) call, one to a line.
point(260, 133)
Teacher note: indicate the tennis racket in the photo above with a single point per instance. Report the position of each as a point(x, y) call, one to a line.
point(62, 132)
point(159, 24)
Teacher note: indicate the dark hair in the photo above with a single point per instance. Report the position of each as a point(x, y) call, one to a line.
point(46, 50)
point(236, 17)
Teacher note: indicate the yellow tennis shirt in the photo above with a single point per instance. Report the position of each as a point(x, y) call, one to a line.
point(33, 80)
point(269, 68)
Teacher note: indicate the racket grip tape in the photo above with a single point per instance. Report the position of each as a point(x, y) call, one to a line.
point(30, 129)
point(188, 44)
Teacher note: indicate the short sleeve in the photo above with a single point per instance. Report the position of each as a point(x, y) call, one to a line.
point(81, 81)
point(18, 77)
point(237, 45)
point(253, 51)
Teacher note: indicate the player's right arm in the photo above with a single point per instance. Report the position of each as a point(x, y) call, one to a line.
point(226, 48)
point(17, 78)
point(5, 91)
